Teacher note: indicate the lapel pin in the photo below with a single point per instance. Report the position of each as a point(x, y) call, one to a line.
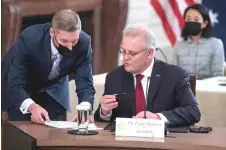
point(157, 75)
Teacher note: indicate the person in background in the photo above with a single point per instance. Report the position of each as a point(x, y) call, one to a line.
point(148, 83)
point(35, 70)
point(199, 52)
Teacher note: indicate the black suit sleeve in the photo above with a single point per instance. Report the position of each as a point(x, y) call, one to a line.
point(83, 76)
point(106, 92)
point(18, 70)
point(188, 112)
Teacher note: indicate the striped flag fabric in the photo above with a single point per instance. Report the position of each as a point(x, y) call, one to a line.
point(171, 15)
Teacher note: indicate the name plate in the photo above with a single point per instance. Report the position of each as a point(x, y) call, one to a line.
point(140, 127)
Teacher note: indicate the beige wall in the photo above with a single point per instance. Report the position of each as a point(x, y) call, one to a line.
point(98, 84)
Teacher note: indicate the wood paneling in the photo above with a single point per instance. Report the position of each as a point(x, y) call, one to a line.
point(108, 21)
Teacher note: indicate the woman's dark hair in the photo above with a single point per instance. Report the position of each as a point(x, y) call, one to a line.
point(207, 31)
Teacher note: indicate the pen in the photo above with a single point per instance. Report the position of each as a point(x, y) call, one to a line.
point(120, 94)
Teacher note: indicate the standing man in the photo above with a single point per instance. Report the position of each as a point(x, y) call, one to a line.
point(35, 70)
point(149, 84)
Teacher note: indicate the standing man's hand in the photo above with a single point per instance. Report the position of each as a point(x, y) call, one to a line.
point(90, 118)
point(38, 114)
point(87, 106)
point(4, 116)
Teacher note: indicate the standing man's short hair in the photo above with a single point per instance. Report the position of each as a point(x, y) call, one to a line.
point(66, 20)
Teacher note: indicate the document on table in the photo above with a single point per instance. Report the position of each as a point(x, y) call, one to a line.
point(68, 124)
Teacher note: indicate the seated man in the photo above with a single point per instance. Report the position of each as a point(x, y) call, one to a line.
point(148, 83)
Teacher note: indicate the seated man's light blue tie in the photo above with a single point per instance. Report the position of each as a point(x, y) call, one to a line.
point(55, 68)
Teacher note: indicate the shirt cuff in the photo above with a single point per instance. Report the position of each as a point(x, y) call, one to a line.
point(25, 105)
point(105, 118)
point(86, 104)
point(163, 117)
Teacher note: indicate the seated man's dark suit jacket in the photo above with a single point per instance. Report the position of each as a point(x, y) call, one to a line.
point(27, 65)
point(169, 93)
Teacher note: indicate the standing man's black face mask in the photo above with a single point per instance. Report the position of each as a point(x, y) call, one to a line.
point(193, 28)
point(64, 50)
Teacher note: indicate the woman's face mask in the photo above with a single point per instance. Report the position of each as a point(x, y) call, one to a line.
point(193, 28)
point(194, 22)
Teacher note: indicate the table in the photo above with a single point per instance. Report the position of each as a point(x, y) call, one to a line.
point(28, 136)
point(211, 98)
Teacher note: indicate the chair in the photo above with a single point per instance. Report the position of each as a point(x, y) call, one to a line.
point(225, 69)
point(193, 83)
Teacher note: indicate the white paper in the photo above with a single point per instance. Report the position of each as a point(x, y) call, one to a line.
point(211, 85)
point(68, 124)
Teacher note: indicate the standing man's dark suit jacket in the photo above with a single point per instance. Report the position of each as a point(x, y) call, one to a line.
point(27, 65)
point(169, 93)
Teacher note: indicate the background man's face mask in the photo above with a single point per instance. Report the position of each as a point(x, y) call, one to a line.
point(193, 28)
point(63, 50)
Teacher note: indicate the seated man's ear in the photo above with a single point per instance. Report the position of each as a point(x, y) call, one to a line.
point(151, 52)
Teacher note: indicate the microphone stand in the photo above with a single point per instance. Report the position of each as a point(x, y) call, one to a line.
point(146, 100)
point(159, 49)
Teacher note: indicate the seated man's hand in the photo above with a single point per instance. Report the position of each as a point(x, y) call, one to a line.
point(38, 114)
point(4, 116)
point(90, 118)
point(108, 102)
point(149, 115)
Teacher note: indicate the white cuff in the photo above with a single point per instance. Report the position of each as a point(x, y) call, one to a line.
point(163, 117)
point(25, 105)
point(85, 106)
point(105, 118)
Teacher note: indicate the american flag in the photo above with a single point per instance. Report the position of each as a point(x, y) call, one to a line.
point(171, 14)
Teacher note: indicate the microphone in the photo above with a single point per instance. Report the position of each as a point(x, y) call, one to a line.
point(161, 51)
point(146, 101)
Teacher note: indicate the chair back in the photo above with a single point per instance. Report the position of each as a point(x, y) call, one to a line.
point(225, 69)
point(193, 83)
